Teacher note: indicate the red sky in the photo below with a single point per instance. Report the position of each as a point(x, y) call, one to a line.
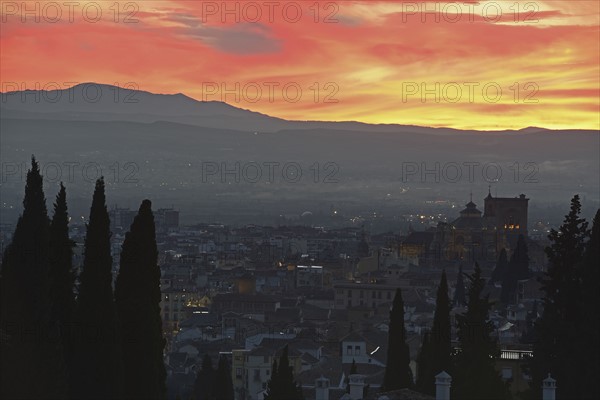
point(371, 61)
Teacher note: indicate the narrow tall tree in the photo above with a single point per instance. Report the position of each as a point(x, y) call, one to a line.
point(441, 332)
point(353, 370)
point(32, 358)
point(61, 271)
point(501, 267)
point(556, 331)
point(459, 290)
point(518, 269)
point(425, 361)
point(398, 374)
point(589, 320)
point(223, 382)
point(204, 385)
point(436, 349)
point(138, 296)
point(282, 384)
point(97, 362)
point(474, 374)
point(273, 385)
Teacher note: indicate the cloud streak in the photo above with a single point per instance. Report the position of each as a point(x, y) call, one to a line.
point(369, 50)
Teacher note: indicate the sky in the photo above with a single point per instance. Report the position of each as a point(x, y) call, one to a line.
point(472, 65)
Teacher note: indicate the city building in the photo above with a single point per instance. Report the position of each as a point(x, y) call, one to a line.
point(352, 294)
point(479, 237)
point(311, 276)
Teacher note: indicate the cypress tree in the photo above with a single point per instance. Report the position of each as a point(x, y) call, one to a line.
point(436, 348)
point(353, 370)
point(203, 387)
point(518, 269)
point(528, 336)
point(32, 357)
point(398, 374)
point(556, 331)
point(97, 362)
point(425, 381)
point(589, 343)
point(459, 290)
point(273, 386)
point(501, 267)
point(474, 375)
point(286, 377)
point(138, 296)
point(282, 384)
point(441, 333)
point(223, 382)
point(61, 271)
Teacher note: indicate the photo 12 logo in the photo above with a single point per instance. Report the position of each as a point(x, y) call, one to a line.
point(470, 92)
point(53, 12)
point(469, 171)
point(253, 92)
point(454, 12)
point(72, 171)
point(268, 11)
point(269, 172)
point(72, 92)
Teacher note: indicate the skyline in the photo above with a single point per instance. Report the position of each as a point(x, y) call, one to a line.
point(373, 58)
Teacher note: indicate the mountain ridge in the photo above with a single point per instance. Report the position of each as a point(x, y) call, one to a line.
point(115, 103)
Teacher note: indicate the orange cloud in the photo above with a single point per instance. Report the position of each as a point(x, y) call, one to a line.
point(330, 61)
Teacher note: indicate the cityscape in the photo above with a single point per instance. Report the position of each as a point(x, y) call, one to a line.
point(332, 211)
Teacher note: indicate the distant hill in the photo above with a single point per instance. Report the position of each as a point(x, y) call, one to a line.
point(170, 138)
point(100, 102)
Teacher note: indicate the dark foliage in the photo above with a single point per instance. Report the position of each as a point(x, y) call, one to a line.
point(138, 296)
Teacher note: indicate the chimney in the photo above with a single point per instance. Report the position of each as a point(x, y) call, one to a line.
point(549, 388)
point(442, 386)
point(322, 388)
point(357, 385)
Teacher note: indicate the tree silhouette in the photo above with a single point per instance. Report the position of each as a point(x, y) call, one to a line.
point(62, 275)
point(436, 348)
point(589, 323)
point(223, 382)
point(556, 331)
point(398, 374)
point(518, 269)
point(204, 385)
point(97, 364)
point(138, 296)
point(32, 358)
point(459, 290)
point(282, 384)
point(474, 375)
point(501, 267)
point(353, 370)
point(425, 361)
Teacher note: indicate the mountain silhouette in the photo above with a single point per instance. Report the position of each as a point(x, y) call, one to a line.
point(99, 102)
